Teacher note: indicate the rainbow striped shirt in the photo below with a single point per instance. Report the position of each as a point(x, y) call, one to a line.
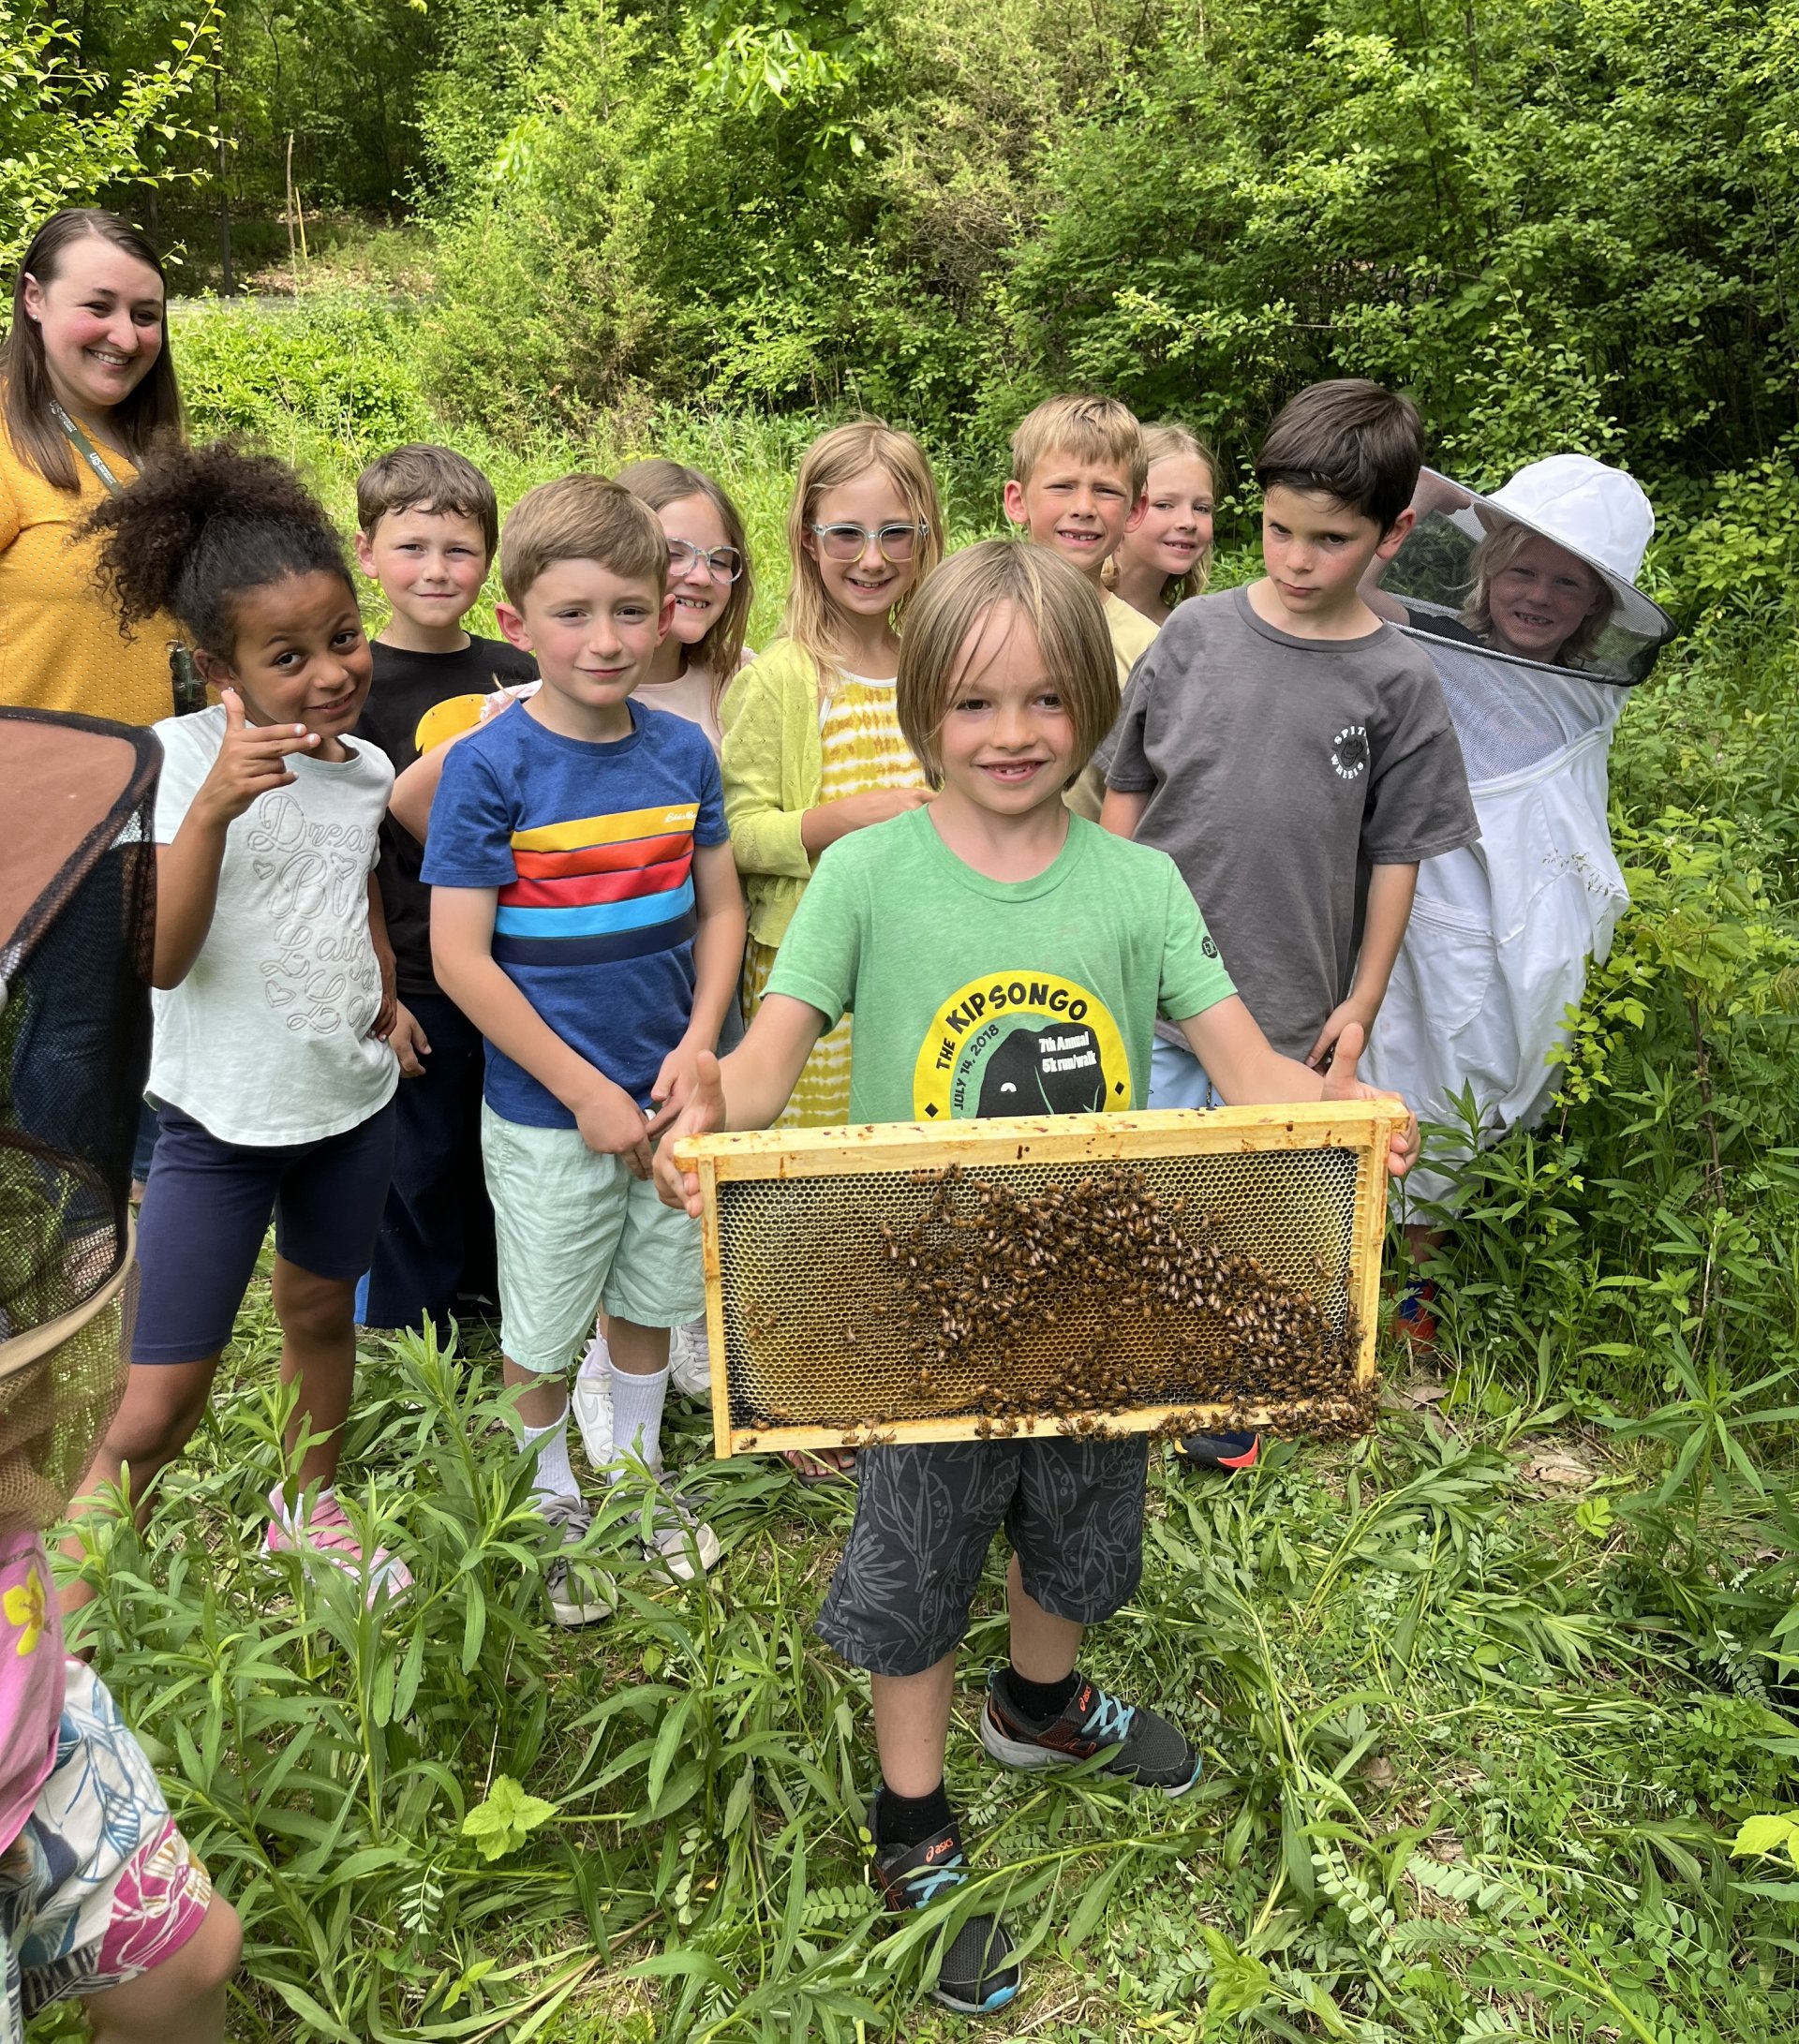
point(590, 850)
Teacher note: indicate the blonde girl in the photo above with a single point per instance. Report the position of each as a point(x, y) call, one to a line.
point(813, 744)
point(1166, 556)
point(710, 577)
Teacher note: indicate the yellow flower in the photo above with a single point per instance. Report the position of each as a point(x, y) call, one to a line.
point(27, 1606)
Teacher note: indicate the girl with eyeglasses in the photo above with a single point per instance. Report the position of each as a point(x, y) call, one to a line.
point(812, 744)
point(708, 574)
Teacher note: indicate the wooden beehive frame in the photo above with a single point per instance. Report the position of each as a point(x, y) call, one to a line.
point(1363, 1127)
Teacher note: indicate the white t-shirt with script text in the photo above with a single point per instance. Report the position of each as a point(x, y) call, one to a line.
point(267, 1040)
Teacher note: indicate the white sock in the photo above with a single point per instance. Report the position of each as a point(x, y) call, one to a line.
point(637, 1415)
point(554, 1478)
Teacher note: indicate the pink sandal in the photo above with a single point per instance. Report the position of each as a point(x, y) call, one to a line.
point(327, 1535)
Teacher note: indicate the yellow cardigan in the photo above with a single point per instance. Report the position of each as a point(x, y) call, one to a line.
point(60, 643)
point(772, 771)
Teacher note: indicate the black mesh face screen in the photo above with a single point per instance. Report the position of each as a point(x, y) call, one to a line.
point(78, 890)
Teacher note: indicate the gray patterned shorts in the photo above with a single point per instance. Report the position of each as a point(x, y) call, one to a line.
point(926, 1516)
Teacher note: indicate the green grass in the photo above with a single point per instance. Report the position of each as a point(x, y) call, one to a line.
point(1455, 1771)
point(1485, 1698)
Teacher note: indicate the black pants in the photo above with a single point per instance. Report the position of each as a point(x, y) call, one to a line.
point(437, 1238)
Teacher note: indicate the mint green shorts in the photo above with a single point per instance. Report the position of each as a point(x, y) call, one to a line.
point(575, 1232)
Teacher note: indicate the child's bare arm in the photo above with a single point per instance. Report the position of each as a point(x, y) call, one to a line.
point(718, 962)
point(1122, 810)
point(384, 960)
point(416, 789)
point(824, 823)
point(1390, 889)
point(744, 1090)
point(462, 936)
point(1249, 1071)
point(718, 947)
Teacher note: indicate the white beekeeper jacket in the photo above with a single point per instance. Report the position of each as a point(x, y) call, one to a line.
point(1501, 931)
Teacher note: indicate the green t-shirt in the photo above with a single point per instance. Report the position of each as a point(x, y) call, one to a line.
point(980, 997)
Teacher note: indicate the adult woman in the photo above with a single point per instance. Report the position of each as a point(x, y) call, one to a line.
point(1527, 602)
point(86, 384)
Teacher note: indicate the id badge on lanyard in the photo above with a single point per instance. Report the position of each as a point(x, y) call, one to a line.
point(184, 680)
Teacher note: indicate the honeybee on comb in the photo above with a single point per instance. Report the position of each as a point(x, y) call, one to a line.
point(1143, 1298)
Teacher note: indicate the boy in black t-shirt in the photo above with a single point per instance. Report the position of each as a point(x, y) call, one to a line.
point(430, 523)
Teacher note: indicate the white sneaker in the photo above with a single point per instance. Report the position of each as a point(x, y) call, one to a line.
point(592, 1402)
point(690, 1361)
point(680, 1540)
point(579, 1593)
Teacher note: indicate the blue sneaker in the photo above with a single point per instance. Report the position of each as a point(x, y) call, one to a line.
point(1146, 1749)
point(978, 1973)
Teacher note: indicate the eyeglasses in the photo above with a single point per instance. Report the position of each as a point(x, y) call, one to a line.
point(723, 563)
point(850, 542)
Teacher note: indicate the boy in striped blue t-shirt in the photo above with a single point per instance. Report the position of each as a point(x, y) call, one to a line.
point(586, 915)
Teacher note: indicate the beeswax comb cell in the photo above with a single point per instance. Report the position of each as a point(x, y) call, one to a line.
point(1076, 1274)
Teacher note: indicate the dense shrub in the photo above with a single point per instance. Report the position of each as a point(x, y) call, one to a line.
point(340, 368)
point(1558, 225)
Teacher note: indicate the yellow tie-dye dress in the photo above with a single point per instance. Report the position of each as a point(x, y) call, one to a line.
point(861, 748)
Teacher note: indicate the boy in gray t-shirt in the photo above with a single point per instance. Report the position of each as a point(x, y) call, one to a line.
point(1293, 754)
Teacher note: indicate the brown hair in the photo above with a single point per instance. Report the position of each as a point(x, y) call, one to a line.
point(1497, 550)
point(419, 477)
point(659, 483)
point(833, 459)
point(1046, 592)
point(581, 518)
point(1348, 440)
point(153, 407)
point(1089, 428)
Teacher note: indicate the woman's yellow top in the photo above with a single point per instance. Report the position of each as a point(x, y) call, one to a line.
point(60, 643)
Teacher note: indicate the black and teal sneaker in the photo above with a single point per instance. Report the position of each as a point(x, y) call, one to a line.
point(1229, 1452)
point(977, 1974)
point(1146, 1749)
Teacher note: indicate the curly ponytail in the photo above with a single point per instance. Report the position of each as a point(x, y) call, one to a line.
point(203, 526)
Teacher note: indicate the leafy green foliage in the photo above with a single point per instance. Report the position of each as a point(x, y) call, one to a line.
point(506, 1819)
point(1558, 226)
point(66, 131)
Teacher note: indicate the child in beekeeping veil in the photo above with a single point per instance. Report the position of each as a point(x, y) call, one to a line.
point(995, 899)
point(1527, 601)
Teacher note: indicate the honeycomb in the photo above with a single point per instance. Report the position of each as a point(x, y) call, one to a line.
point(964, 1290)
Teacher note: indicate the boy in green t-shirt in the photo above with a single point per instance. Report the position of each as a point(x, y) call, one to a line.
point(1002, 956)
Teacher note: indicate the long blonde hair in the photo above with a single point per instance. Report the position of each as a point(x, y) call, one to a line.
point(1160, 442)
point(833, 459)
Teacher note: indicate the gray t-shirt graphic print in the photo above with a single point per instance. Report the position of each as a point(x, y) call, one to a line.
point(1279, 771)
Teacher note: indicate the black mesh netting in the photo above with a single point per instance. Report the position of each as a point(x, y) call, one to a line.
point(76, 894)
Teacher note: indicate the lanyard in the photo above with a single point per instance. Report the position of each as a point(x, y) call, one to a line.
point(184, 678)
point(85, 448)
